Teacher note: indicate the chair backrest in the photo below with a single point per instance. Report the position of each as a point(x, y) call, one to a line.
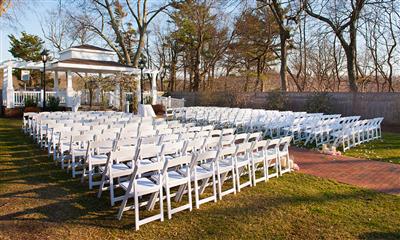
point(212, 143)
point(178, 161)
point(128, 133)
point(187, 135)
point(141, 169)
point(101, 147)
point(203, 134)
point(170, 148)
point(215, 133)
point(194, 145)
point(241, 138)
point(127, 142)
point(204, 157)
point(228, 131)
point(151, 140)
point(194, 129)
point(260, 145)
point(243, 148)
point(149, 151)
point(164, 131)
point(284, 143)
point(207, 128)
point(107, 135)
point(147, 132)
point(79, 127)
point(123, 154)
point(254, 136)
point(273, 144)
point(169, 138)
point(227, 140)
point(227, 151)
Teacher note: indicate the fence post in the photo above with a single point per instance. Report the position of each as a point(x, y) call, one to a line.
point(169, 101)
point(127, 106)
point(41, 97)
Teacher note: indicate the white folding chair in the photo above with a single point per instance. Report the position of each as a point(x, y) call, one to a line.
point(174, 178)
point(225, 165)
point(96, 156)
point(139, 186)
point(199, 173)
point(119, 169)
point(283, 155)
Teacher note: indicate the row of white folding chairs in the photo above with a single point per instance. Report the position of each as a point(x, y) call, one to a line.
point(358, 132)
point(310, 125)
point(152, 168)
point(63, 139)
point(239, 118)
point(151, 137)
point(61, 132)
point(224, 137)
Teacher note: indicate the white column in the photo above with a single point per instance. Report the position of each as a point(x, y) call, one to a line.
point(154, 88)
point(98, 91)
point(8, 88)
point(138, 89)
point(56, 82)
point(116, 95)
point(70, 91)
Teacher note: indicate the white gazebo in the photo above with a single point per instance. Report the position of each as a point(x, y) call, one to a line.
point(86, 59)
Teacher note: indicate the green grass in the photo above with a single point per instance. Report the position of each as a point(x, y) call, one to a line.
point(386, 149)
point(40, 201)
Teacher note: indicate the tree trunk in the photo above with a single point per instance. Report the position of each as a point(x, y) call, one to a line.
point(351, 74)
point(282, 71)
point(141, 43)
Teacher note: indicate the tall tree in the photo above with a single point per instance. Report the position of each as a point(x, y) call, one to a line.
point(204, 40)
point(255, 40)
point(285, 14)
point(27, 47)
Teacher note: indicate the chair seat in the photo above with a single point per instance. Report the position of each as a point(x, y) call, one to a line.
point(200, 172)
point(143, 186)
point(225, 166)
point(242, 161)
point(79, 152)
point(118, 170)
point(174, 178)
point(142, 162)
point(98, 159)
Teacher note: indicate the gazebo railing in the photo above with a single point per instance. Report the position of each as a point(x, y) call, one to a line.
point(170, 102)
point(20, 96)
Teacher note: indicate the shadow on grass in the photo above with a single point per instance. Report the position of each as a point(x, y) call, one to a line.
point(381, 235)
point(34, 191)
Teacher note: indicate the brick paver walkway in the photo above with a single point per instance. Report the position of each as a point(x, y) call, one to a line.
point(379, 176)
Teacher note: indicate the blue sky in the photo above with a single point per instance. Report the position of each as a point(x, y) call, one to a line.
point(29, 21)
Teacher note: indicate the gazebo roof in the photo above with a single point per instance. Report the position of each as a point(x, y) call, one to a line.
point(91, 47)
point(83, 58)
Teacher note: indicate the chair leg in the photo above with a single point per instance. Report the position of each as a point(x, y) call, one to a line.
point(167, 190)
point(112, 190)
point(136, 199)
point(123, 205)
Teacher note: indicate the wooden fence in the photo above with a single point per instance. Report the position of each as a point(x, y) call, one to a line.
point(366, 105)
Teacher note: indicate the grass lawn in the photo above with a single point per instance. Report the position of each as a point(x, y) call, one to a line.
point(386, 149)
point(41, 201)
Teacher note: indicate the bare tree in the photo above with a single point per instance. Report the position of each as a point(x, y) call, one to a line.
point(342, 17)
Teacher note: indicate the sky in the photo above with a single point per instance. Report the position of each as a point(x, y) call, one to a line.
point(29, 21)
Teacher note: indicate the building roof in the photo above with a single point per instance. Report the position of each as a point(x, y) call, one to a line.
point(91, 47)
point(92, 62)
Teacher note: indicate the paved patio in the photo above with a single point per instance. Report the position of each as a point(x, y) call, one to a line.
point(379, 176)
